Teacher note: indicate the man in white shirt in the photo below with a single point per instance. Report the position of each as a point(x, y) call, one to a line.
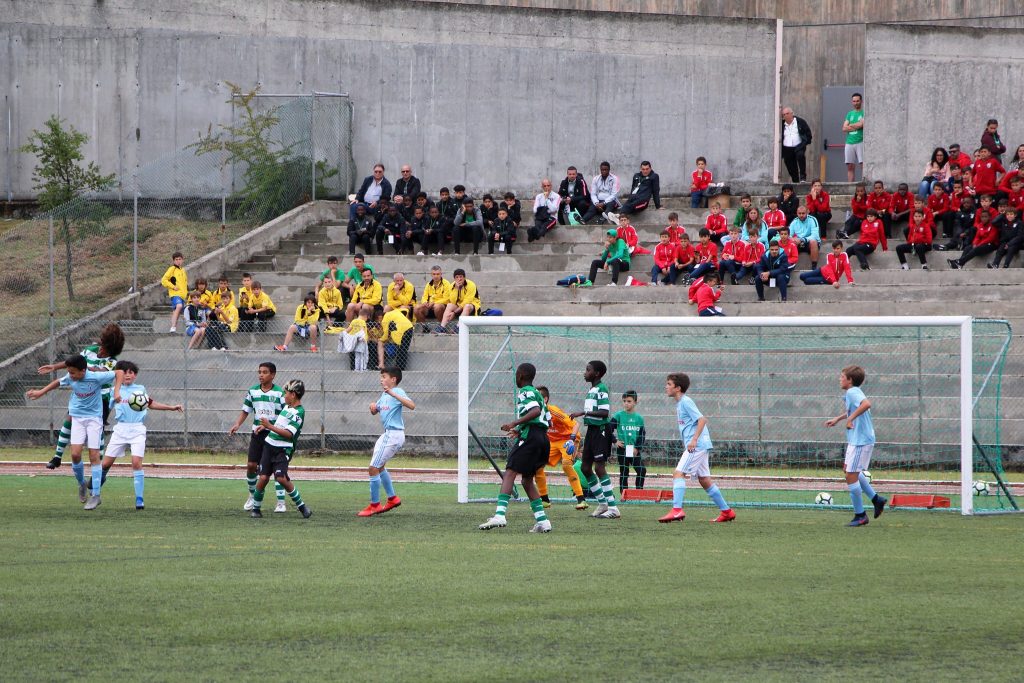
point(796, 135)
point(545, 211)
point(604, 195)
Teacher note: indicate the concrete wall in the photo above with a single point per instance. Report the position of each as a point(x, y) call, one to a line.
point(930, 86)
point(492, 97)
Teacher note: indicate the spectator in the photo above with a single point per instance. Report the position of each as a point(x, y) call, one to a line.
point(464, 300)
point(545, 211)
point(985, 172)
point(752, 255)
point(627, 233)
point(1005, 187)
point(922, 205)
point(245, 291)
point(374, 192)
point(837, 264)
point(408, 185)
point(858, 210)
point(872, 233)
point(614, 257)
point(469, 222)
point(1011, 237)
point(919, 240)
point(1017, 162)
point(368, 292)
point(755, 222)
point(990, 140)
point(686, 259)
point(853, 126)
point(401, 295)
point(788, 203)
point(716, 223)
point(741, 213)
point(328, 300)
point(806, 233)
point(489, 212)
point(664, 257)
point(176, 282)
point(355, 274)
point(774, 218)
point(935, 171)
point(423, 201)
point(205, 295)
point(819, 205)
point(796, 135)
point(515, 209)
point(405, 208)
point(773, 270)
point(733, 254)
point(963, 226)
point(957, 157)
point(575, 196)
point(942, 210)
point(331, 271)
point(788, 247)
point(259, 309)
point(224, 310)
point(700, 179)
point(604, 195)
point(434, 231)
point(986, 240)
point(392, 228)
point(354, 339)
point(675, 231)
point(1015, 196)
point(902, 204)
point(415, 229)
point(459, 194)
point(434, 299)
point(706, 254)
point(307, 317)
point(361, 230)
point(197, 317)
point(708, 294)
point(646, 188)
point(393, 345)
point(503, 232)
point(448, 207)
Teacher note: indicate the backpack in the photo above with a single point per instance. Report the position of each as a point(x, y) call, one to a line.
point(491, 311)
point(570, 280)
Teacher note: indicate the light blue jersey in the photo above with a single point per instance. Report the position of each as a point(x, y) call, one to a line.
point(124, 412)
point(86, 397)
point(391, 410)
point(863, 432)
point(688, 416)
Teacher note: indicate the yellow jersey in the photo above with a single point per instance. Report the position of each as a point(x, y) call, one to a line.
point(261, 301)
point(304, 316)
point(402, 299)
point(176, 282)
point(436, 294)
point(357, 327)
point(368, 295)
point(328, 298)
point(401, 325)
point(466, 295)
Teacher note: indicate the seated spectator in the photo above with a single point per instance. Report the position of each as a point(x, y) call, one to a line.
point(1015, 197)
point(435, 231)
point(489, 212)
point(985, 241)
point(408, 185)
point(733, 253)
point(307, 317)
point(716, 223)
point(902, 205)
point(401, 295)
point(414, 230)
point(806, 234)
point(328, 300)
point(259, 309)
point(405, 207)
point(1011, 237)
point(752, 255)
point(575, 196)
point(354, 276)
point(968, 178)
point(881, 201)
point(604, 195)
point(245, 291)
point(205, 295)
point(503, 232)
point(774, 217)
point(435, 297)
point(708, 294)
point(686, 259)
point(935, 171)
point(332, 271)
point(1005, 187)
point(837, 264)
point(788, 247)
point(919, 240)
point(614, 257)
point(699, 181)
point(395, 339)
point(675, 231)
point(1017, 162)
point(391, 228)
point(858, 211)
point(448, 207)
point(361, 230)
point(755, 222)
point(374, 192)
point(468, 224)
point(646, 188)
point(788, 202)
point(942, 210)
point(423, 201)
point(545, 211)
point(197, 317)
point(224, 317)
point(740, 217)
point(354, 339)
point(819, 205)
point(664, 257)
point(514, 208)
point(368, 292)
point(958, 157)
point(773, 271)
point(706, 254)
point(464, 300)
point(963, 226)
point(872, 233)
point(627, 233)
point(459, 195)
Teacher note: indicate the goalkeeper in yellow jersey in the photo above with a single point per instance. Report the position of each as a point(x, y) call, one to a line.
point(564, 435)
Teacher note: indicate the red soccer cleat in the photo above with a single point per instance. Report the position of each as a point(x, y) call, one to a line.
point(674, 515)
point(371, 509)
point(391, 503)
point(726, 516)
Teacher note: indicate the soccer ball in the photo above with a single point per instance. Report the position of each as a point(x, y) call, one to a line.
point(867, 475)
point(138, 401)
point(980, 488)
point(823, 498)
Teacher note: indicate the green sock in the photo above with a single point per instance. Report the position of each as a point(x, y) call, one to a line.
point(279, 490)
point(250, 479)
point(595, 488)
point(609, 492)
point(296, 498)
point(257, 499)
point(503, 499)
point(537, 505)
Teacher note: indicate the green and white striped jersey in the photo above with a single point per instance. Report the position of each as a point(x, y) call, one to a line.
point(528, 398)
point(97, 364)
point(597, 399)
point(291, 419)
point(262, 404)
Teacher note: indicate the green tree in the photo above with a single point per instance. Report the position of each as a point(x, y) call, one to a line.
point(62, 178)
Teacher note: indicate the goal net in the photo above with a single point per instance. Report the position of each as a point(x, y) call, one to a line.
point(767, 386)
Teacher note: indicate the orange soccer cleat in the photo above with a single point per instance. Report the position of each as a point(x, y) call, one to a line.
point(391, 503)
point(726, 516)
point(674, 515)
point(371, 509)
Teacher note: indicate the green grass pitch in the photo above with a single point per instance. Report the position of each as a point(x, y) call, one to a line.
point(192, 589)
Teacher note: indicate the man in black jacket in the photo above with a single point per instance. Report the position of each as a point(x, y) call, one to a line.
point(796, 135)
point(645, 188)
point(408, 185)
point(575, 195)
point(360, 231)
point(375, 192)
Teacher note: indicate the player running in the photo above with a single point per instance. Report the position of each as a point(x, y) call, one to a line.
point(263, 400)
point(389, 407)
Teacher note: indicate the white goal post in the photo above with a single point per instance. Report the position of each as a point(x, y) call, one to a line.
point(471, 381)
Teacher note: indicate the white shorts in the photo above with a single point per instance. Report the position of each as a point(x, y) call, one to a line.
point(387, 445)
point(128, 434)
point(855, 153)
point(694, 464)
point(87, 431)
point(858, 458)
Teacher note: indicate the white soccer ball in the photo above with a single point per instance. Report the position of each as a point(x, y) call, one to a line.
point(138, 400)
point(823, 498)
point(867, 475)
point(980, 488)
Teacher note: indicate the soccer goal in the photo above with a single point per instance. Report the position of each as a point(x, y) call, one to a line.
point(767, 386)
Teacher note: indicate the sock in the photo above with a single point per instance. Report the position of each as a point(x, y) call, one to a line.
point(385, 481)
point(375, 489)
point(63, 438)
point(865, 487)
point(250, 479)
point(103, 442)
point(595, 488)
point(257, 499)
point(78, 469)
point(279, 490)
point(608, 490)
point(296, 498)
point(140, 483)
point(97, 478)
point(103, 480)
point(503, 499)
point(716, 495)
point(855, 496)
point(537, 505)
point(678, 492)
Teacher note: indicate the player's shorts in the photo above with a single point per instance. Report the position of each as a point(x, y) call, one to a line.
point(854, 153)
point(87, 431)
point(387, 445)
point(597, 444)
point(531, 453)
point(274, 461)
point(694, 464)
point(303, 330)
point(858, 458)
point(256, 446)
point(127, 435)
point(177, 301)
point(191, 329)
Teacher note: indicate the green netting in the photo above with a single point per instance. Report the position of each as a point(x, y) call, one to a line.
point(767, 392)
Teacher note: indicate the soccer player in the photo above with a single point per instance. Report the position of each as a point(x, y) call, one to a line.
point(279, 447)
point(263, 400)
point(130, 430)
point(860, 442)
point(99, 357)
point(596, 415)
point(86, 411)
point(693, 430)
point(529, 454)
point(389, 407)
point(627, 426)
point(564, 436)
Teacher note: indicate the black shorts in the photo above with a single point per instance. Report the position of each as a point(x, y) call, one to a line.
point(596, 444)
point(274, 461)
point(256, 445)
point(531, 453)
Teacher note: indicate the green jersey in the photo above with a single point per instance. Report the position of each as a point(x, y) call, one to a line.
point(528, 398)
point(855, 136)
point(357, 274)
point(262, 404)
point(291, 420)
point(597, 399)
point(97, 364)
point(629, 428)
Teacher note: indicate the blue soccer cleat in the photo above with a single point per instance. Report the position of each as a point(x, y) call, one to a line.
point(859, 520)
point(879, 504)
point(139, 504)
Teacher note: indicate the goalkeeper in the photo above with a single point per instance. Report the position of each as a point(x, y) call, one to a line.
point(564, 435)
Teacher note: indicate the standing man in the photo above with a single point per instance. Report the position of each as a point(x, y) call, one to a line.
point(645, 188)
point(796, 135)
point(375, 192)
point(853, 126)
point(604, 195)
point(575, 195)
point(408, 185)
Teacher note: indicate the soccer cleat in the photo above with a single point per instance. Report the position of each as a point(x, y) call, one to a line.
point(725, 516)
point(280, 507)
point(92, 503)
point(139, 504)
point(305, 511)
point(610, 513)
point(391, 503)
point(256, 514)
point(547, 504)
point(601, 509)
point(53, 464)
point(370, 510)
point(249, 503)
point(541, 527)
point(879, 504)
point(859, 520)
point(582, 505)
point(495, 522)
point(82, 495)
point(674, 515)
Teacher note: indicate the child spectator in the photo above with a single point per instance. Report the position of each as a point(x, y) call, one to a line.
point(755, 222)
point(627, 233)
point(685, 259)
point(354, 276)
point(205, 295)
point(332, 271)
point(664, 257)
point(627, 428)
point(395, 329)
point(354, 339)
point(503, 232)
point(1011, 237)
point(361, 230)
point(788, 247)
point(755, 250)
point(489, 211)
point(773, 271)
point(858, 210)
point(968, 178)
point(514, 207)
point(733, 253)
point(260, 308)
point(902, 205)
point(963, 226)
point(774, 218)
point(675, 231)
point(919, 240)
point(176, 282)
point(985, 172)
point(805, 231)
point(706, 255)
point(701, 178)
point(691, 293)
point(414, 230)
point(447, 207)
point(469, 222)
point(307, 316)
point(788, 202)
point(434, 232)
point(741, 213)
point(837, 264)
point(872, 233)
point(942, 211)
point(1015, 197)
point(225, 313)
point(369, 292)
point(715, 224)
point(881, 201)
point(391, 228)
point(464, 300)
point(708, 294)
point(614, 256)
point(197, 324)
point(819, 205)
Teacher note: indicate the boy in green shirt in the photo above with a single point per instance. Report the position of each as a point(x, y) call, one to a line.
point(614, 256)
point(597, 444)
point(627, 426)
